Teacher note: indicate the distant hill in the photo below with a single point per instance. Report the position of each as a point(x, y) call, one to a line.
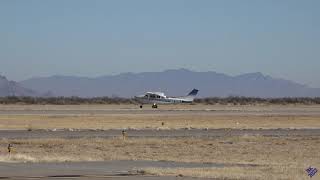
point(172, 82)
point(11, 88)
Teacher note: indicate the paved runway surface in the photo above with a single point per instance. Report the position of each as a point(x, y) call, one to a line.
point(23, 134)
point(219, 111)
point(92, 170)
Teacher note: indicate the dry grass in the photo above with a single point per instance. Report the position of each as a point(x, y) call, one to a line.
point(145, 121)
point(279, 157)
point(231, 150)
point(248, 173)
point(276, 157)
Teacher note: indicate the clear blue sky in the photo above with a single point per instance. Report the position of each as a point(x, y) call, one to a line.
point(92, 38)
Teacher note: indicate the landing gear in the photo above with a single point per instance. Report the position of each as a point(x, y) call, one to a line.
point(154, 105)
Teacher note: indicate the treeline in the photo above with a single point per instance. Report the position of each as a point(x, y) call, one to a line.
point(118, 100)
point(64, 100)
point(256, 101)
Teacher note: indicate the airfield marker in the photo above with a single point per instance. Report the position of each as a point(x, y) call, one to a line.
point(10, 148)
point(124, 134)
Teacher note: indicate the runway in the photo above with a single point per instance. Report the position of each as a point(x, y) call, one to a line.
point(229, 111)
point(92, 170)
point(181, 133)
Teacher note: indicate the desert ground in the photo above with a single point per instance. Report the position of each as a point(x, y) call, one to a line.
point(173, 141)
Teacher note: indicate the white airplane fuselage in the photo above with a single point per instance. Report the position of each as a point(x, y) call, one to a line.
point(160, 98)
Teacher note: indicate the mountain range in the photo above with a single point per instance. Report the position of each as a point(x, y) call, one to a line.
point(172, 82)
point(11, 88)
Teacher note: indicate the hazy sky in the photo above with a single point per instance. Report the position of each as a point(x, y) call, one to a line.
point(280, 38)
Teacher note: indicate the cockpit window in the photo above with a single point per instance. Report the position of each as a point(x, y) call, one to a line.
point(152, 96)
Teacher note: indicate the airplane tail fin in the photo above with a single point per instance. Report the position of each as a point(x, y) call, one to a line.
point(190, 97)
point(194, 92)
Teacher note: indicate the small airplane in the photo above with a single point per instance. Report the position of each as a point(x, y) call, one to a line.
point(161, 98)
